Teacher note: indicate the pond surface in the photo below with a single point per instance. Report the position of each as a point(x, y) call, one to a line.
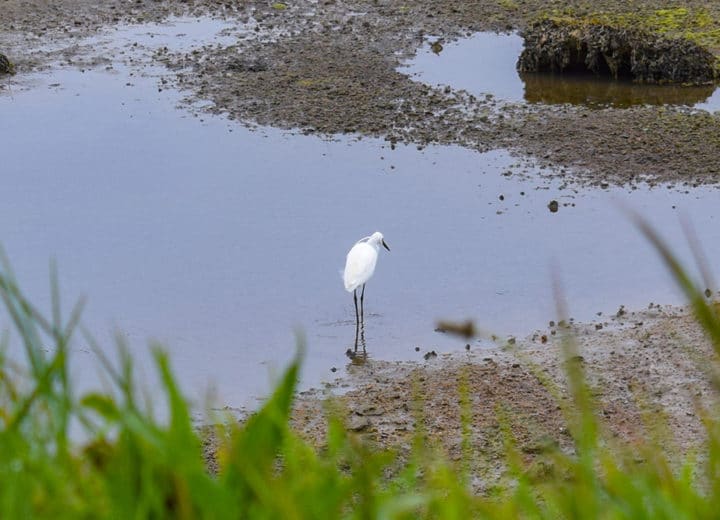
point(222, 242)
point(485, 64)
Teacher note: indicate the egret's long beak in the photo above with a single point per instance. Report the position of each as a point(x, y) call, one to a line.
point(385, 245)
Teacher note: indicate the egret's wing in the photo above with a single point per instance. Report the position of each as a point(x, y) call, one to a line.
point(359, 266)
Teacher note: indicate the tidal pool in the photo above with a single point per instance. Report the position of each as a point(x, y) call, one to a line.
point(485, 64)
point(224, 243)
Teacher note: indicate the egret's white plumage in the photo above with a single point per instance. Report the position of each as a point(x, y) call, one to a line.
point(361, 260)
point(359, 267)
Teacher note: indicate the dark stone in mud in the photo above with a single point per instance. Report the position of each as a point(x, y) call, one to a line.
point(236, 64)
point(6, 66)
point(575, 46)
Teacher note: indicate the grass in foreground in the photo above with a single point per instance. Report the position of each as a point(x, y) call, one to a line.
point(133, 465)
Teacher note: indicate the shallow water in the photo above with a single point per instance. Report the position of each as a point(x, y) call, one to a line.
point(485, 64)
point(221, 242)
point(178, 33)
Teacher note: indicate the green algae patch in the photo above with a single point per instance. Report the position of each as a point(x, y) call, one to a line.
point(698, 26)
point(649, 49)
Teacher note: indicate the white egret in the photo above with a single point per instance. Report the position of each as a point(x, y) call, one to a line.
point(359, 268)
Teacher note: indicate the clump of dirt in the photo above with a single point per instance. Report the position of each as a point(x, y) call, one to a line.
point(573, 46)
point(6, 66)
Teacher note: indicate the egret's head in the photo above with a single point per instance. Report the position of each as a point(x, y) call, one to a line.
point(378, 239)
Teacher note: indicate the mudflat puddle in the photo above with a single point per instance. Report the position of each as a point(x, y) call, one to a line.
point(485, 64)
point(221, 242)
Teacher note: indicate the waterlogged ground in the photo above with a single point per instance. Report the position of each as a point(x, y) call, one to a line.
point(201, 179)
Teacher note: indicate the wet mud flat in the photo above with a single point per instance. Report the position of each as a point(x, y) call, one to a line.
point(332, 67)
point(647, 372)
point(641, 366)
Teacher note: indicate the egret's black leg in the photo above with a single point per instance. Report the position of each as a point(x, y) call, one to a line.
point(357, 319)
point(362, 306)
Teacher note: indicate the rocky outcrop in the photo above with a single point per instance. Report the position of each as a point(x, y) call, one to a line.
point(575, 46)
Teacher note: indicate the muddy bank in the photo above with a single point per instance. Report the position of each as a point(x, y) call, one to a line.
point(642, 366)
point(334, 68)
point(628, 146)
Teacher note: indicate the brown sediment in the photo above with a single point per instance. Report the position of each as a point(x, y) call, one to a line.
point(646, 371)
point(648, 374)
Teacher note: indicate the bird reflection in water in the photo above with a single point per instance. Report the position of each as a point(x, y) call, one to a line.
point(358, 355)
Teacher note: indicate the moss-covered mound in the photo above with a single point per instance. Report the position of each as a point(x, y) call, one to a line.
point(572, 46)
point(6, 66)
